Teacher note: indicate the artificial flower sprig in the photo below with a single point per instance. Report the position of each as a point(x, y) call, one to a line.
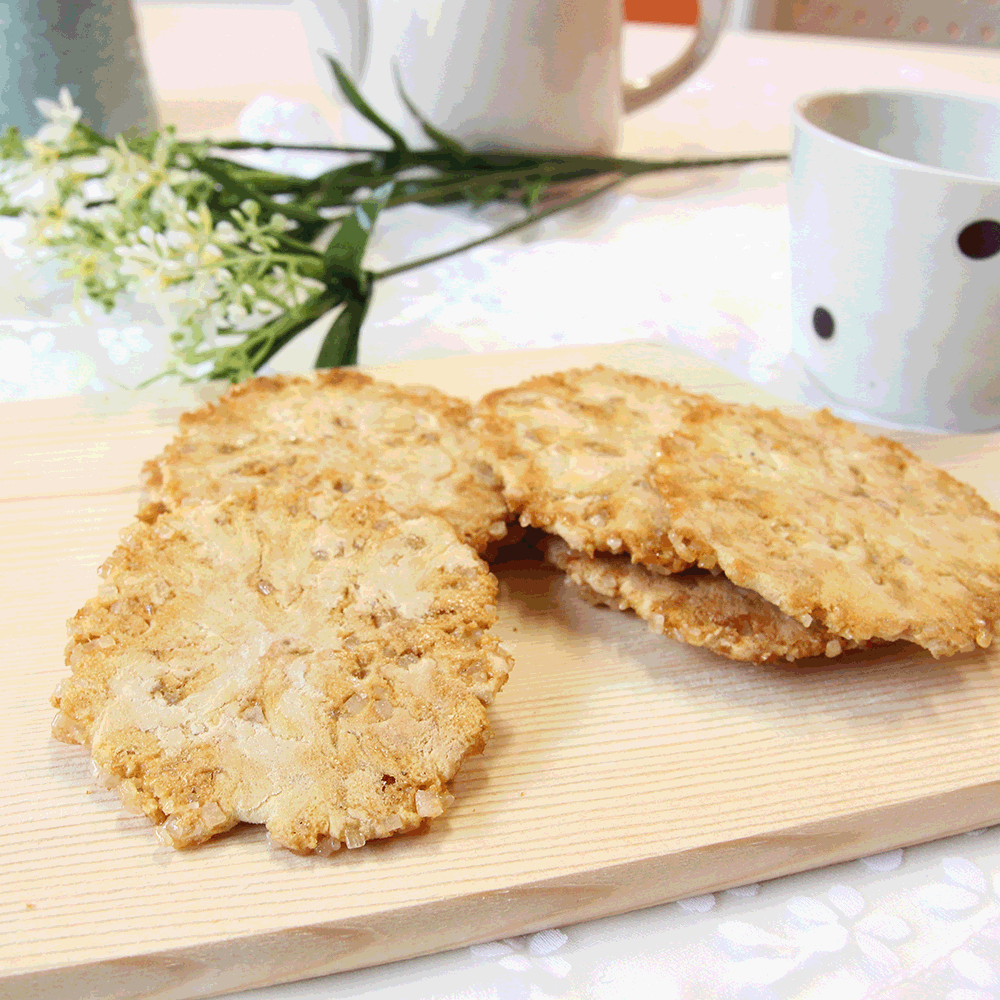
point(239, 260)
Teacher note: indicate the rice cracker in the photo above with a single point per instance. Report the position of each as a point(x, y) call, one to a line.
point(313, 662)
point(411, 446)
point(575, 450)
point(699, 608)
point(834, 527)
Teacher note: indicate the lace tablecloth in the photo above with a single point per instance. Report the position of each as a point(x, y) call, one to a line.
point(920, 923)
point(698, 258)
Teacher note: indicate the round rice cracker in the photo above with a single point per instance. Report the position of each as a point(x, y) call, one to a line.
point(411, 445)
point(309, 661)
point(833, 526)
point(575, 451)
point(700, 609)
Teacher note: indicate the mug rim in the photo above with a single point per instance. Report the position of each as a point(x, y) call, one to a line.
point(800, 121)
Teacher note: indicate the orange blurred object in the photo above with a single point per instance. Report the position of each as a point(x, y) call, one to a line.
point(662, 11)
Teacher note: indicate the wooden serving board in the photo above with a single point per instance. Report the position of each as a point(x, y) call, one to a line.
point(626, 769)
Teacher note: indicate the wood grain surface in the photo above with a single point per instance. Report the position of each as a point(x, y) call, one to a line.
point(626, 769)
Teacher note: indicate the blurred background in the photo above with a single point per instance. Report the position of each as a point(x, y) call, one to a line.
point(205, 63)
point(662, 11)
point(245, 68)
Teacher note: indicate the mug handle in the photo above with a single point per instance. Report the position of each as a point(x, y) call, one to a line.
point(712, 16)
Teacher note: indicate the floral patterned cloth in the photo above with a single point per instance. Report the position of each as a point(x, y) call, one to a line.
point(918, 923)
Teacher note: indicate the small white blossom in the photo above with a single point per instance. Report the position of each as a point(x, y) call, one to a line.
point(62, 116)
point(128, 223)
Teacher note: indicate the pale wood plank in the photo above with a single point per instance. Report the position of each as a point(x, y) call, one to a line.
point(626, 769)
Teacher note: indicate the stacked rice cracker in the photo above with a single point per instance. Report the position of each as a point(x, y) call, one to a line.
point(296, 629)
point(757, 535)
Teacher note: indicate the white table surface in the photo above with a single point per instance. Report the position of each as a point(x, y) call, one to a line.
point(698, 258)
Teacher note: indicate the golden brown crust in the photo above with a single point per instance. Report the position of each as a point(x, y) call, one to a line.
point(410, 445)
point(574, 451)
point(834, 526)
point(697, 608)
point(302, 659)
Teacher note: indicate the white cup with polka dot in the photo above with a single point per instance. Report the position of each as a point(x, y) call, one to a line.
point(894, 203)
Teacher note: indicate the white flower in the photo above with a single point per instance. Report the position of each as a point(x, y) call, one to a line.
point(127, 222)
point(63, 110)
point(62, 117)
point(94, 189)
point(91, 166)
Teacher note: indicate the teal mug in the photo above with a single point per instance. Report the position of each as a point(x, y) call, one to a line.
point(87, 46)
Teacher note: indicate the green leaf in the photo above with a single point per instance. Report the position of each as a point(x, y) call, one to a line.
point(532, 192)
point(92, 138)
point(442, 141)
point(340, 346)
point(354, 98)
point(266, 181)
point(12, 145)
point(219, 171)
point(238, 144)
point(236, 362)
point(346, 250)
point(337, 187)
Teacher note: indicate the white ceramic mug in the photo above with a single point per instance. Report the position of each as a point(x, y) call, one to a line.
point(525, 75)
point(894, 203)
